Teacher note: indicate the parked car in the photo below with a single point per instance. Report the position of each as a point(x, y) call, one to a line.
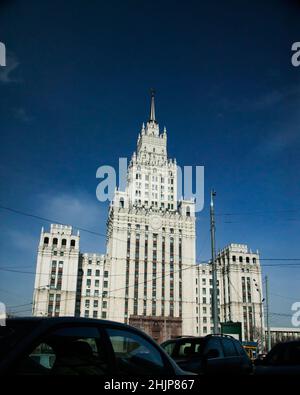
point(283, 359)
point(212, 354)
point(80, 346)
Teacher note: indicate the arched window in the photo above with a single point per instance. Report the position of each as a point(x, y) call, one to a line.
point(122, 203)
point(254, 260)
point(55, 241)
point(64, 242)
point(233, 258)
point(73, 242)
point(46, 240)
point(241, 259)
point(188, 211)
point(247, 259)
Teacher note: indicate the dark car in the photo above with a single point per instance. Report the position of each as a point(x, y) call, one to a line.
point(79, 346)
point(212, 354)
point(283, 359)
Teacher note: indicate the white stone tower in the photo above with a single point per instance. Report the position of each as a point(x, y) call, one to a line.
point(151, 242)
point(55, 288)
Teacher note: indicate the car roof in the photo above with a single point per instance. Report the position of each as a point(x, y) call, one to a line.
point(66, 320)
point(183, 338)
point(49, 322)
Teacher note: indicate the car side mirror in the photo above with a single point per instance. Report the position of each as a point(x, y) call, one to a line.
point(213, 353)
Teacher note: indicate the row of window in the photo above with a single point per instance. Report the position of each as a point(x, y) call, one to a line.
point(63, 243)
point(96, 273)
point(159, 178)
point(138, 228)
point(96, 293)
point(241, 259)
point(97, 283)
point(153, 204)
point(94, 314)
point(95, 303)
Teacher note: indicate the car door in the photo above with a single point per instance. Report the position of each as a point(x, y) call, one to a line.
point(213, 356)
point(135, 355)
point(66, 350)
point(232, 359)
point(190, 355)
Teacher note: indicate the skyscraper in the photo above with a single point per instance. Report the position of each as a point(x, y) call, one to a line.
point(151, 241)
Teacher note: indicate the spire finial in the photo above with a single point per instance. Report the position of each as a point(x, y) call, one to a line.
point(152, 106)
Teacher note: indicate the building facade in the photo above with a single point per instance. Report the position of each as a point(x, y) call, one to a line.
point(239, 292)
point(148, 277)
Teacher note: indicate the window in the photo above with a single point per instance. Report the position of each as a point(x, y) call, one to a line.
point(64, 242)
point(241, 259)
point(67, 351)
point(254, 260)
point(55, 241)
point(134, 354)
point(228, 347)
point(213, 344)
point(105, 284)
point(96, 283)
point(95, 314)
point(185, 349)
point(97, 273)
point(233, 258)
point(169, 348)
point(46, 240)
point(106, 274)
point(89, 272)
point(73, 242)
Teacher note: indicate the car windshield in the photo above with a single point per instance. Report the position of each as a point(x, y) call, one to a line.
point(13, 331)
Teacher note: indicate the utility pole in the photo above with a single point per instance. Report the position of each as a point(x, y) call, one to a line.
point(267, 314)
point(261, 301)
point(215, 312)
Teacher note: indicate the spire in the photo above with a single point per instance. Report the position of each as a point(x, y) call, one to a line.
point(152, 107)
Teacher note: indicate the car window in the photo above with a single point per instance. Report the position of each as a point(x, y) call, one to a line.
point(213, 344)
point(134, 354)
point(169, 348)
point(240, 349)
point(67, 351)
point(198, 347)
point(228, 347)
point(185, 349)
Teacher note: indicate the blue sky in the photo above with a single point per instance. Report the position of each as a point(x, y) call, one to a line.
point(76, 91)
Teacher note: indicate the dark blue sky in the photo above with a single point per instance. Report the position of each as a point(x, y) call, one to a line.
point(76, 90)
